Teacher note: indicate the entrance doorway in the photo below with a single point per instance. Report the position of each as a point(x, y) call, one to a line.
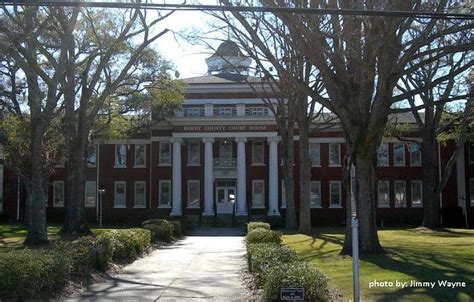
point(225, 196)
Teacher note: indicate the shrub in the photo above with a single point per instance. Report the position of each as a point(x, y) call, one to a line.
point(257, 224)
point(176, 228)
point(263, 256)
point(295, 274)
point(31, 274)
point(160, 229)
point(260, 235)
point(86, 254)
point(127, 244)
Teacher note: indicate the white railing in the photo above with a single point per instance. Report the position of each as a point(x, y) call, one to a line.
point(225, 111)
point(225, 162)
point(256, 111)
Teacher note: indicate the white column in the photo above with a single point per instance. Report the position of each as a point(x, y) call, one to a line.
point(273, 177)
point(241, 177)
point(208, 177)
point(176, 182)
point(461, 180)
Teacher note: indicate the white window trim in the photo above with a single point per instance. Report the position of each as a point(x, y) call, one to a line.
point(320, 201)
point(404, 155)
point(471, 192)
point(385, 206)
point(124, 193)
point(387, 162)
point(253, 193)
point(411, 157)
point(160, 184)
point(421, 193)
point(96, 155)
point(253, 152)
point(135, 206)
point(85, 195)
point(395, 194)
point(329, 155)
point(340, 194)
point(115, 156)
point(159, 153)
point(283, 196)
point(319, 152)
point(135, 157)
point(189, 153)
point(58, 205)
point(199, 194)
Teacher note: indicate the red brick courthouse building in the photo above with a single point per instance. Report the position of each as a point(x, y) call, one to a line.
point(223, 150)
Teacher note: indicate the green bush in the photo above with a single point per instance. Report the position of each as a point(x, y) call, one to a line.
point(32, 274)
point(257, 224)
point(260, 235)
point(263, 256)
point(295, 274)
point(161, 230)
point(86, 254)
point(127, 244)
point(176, 228)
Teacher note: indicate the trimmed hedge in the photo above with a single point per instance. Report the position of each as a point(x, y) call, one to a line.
point(176, 228)
point(29, 273)
point(263, 256)
point(160, 229)
point(257, 224)
point(127, 244)
point(295, 274)
point(86, 254)
point(260, 235)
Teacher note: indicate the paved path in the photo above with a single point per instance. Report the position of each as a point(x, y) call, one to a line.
point(201, 267)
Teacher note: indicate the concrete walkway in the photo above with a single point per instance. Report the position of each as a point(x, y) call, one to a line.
point(201, 267)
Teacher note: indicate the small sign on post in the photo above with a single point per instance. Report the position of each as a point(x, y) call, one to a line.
point(292, 294)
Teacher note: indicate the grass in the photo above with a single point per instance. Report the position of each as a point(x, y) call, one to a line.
point(410, 254)
point(13, 235)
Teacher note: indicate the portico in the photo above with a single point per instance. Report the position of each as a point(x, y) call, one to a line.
point(225, 167)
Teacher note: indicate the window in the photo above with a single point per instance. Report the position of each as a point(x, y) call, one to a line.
point(382, 155)
point(315, 200)
point(283, 195)
point(334, 194)
point(140, 193)
point(415, 154)
point(315, 154)
point(193, 194)
point(193, 111)
point(400, 198)
point(165, 153)
point(257, 153)
point(58, 193)
point(91, 156)
point(194, 154)
point(225, 149)
point(164, 197)
point(258, 194)
point(399, 154)
point(383, 194)
point(471, 152)
point(90, 194)
point(471, 191)
point(334, 154)
point(140, 155)
point(119, 194)
point(416, 193)
point(120, 155)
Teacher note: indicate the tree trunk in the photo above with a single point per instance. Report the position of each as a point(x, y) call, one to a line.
point(430, 173)
point(305, 177)
point(35, 207)
point(347, 247)
point(288, 162)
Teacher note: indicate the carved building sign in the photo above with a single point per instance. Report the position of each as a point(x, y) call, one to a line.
point(226, 128)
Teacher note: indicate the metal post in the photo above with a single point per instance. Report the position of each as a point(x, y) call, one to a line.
point(101, 207)
point(355, 237)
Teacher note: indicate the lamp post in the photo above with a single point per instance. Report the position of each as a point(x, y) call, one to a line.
point(355, 236)
point(101, 198)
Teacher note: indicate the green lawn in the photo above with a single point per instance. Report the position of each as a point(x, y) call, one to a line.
point(13, 235)
point(411, 254)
